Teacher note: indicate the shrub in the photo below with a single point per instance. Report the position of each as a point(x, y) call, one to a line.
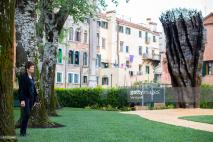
point(96, 98)
point(206, 96)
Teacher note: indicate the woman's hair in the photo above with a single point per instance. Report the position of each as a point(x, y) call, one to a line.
point(28, 65)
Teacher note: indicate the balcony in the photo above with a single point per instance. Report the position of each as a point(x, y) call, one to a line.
point(155, 57)
point(139, 73)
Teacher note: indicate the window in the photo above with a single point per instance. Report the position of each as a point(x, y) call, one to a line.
point(105, 81)
point(128, 31)
point(127, 64)
point(85, 59)
point(140, 50)
point(77, 57)
point(70, 78)
point(140, 68)
point(153, 52)
point(140, 34)
point(210, 68)
point(85, 36)
point(71, 57)
point(84, 79)
point(78, 35)
point(131, 73)
point(98, 24)
point(98, 60)
point(71, 34)
point(204, 69)
point(147, 69)
point(121, 29)
point(59, 56)
point(127, 49)
point(97, 79)
point(59, 77)
point(147, 50)
point(105, 65)
point(86, 20)
point(103, 43)
point(98, 39)
point(121, 46)
point(104, 24)
point(76, 78)
point(147, 37)
point(154, 38)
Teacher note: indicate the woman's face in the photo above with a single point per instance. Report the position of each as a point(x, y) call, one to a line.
point(31, 69)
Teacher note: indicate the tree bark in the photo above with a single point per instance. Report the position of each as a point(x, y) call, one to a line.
point(184, 52)
point(53, 25)
point(7, 12)
point(27, 50)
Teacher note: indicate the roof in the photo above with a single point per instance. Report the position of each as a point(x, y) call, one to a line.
point(208, 20)
point(209, 15)
point(129, 24)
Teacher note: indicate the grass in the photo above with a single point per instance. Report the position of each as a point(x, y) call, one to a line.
point(201, 118)
point(86, 125)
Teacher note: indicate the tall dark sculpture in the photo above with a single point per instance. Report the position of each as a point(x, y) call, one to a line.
point(183, 29)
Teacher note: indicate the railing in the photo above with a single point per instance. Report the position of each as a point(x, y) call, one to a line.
point(139, 73)
point(151, 56)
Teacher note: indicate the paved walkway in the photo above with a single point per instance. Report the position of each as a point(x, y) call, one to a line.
point(170, 116)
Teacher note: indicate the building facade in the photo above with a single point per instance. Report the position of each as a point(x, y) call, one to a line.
point(208, 53)
point(126, 53)
point(129, 52)
point(72, 56)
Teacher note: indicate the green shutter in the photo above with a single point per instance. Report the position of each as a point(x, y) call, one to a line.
point(204, 69)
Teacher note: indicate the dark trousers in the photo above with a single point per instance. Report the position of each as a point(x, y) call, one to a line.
point(25, 115)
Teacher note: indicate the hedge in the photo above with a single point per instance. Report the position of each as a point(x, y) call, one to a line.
point(83, 97)
point(113, 97)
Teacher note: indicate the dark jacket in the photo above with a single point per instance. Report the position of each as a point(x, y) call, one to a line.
point(25, 89)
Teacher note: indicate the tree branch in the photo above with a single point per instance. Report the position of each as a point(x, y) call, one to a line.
point(60, 18)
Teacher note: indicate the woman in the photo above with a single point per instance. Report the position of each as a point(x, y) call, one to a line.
point(27, 95)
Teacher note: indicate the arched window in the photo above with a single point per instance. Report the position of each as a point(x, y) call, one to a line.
point(105, 80)
point(71, 34)
point(59, 56)
point(77, 57)
point(71, 57)
point(78, 35)
point(85, 36)
point(85, 58)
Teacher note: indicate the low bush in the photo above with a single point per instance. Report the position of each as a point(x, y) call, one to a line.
point(95, 98)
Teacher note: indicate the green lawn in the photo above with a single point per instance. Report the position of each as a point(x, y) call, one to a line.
point(83, 125)
point(200, 118)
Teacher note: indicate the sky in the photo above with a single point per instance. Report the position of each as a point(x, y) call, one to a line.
point(139, 10)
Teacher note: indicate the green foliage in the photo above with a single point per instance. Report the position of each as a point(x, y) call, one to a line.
point(206, 96)
point(80, 9)
point(92, 97)
point(63, 34)
point(170, 106)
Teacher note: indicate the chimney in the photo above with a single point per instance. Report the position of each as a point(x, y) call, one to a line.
point(151, 25)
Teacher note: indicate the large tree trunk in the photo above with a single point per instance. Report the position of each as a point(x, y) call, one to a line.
point(184, 51)
point(53, 25)
point(27, 50)
point(7, 12)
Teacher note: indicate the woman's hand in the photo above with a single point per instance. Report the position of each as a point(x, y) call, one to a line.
point(22, 103)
